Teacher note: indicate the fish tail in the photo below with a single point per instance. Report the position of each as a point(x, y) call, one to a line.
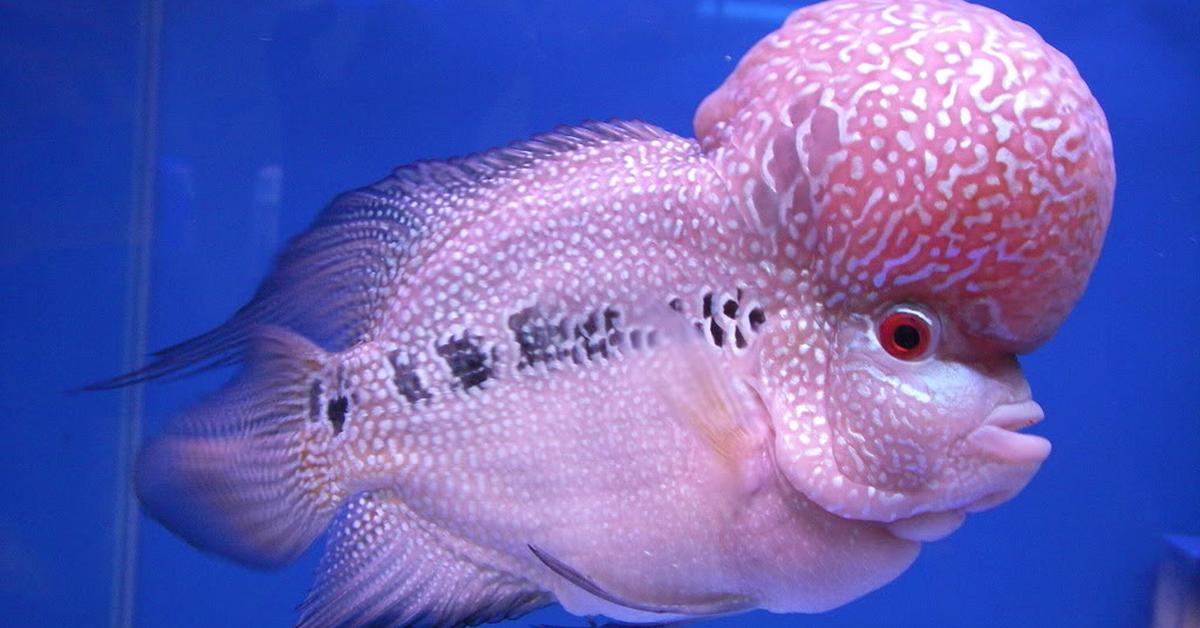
point(246, 473)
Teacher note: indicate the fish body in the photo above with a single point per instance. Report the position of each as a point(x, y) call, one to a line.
point(659, 378)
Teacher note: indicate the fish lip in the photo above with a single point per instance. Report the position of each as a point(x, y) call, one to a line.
point(1015, 416)
point(999, 438)
point(927, 526)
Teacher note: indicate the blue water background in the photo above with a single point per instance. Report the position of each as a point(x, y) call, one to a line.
point(262, 111)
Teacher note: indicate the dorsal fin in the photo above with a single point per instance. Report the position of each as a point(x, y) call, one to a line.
point(329, 282)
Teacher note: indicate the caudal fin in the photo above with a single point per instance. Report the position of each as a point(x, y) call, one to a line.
point(243, 474)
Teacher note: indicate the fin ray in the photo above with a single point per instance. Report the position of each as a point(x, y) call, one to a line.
point(718, 402)
point(230, 475)
point(384, 565)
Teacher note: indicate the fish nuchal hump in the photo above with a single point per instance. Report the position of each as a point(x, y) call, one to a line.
point(331, 284)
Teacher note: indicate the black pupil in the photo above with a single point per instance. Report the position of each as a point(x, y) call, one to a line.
point(907, 337)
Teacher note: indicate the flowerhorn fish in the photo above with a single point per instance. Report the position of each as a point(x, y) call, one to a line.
point(656, 378)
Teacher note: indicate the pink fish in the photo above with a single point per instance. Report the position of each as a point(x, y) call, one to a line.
point(657, 378)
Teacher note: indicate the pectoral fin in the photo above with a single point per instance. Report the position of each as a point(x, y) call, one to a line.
point(716, 401)
point(717, 604)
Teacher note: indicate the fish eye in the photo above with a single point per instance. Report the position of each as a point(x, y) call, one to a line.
point(908, 332)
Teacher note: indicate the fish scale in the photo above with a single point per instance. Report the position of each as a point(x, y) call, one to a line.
point(474, 418)
point(657, 378)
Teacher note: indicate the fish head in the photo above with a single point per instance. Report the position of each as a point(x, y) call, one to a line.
point(919, 418)
point(935, 182)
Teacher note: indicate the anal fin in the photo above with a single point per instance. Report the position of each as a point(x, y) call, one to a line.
point(385, 566)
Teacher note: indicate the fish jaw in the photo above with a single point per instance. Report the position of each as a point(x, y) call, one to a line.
point(1000, 440)
point(1004, 463)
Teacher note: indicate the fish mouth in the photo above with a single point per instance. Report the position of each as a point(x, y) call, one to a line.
point(927, 526)
point(999, 437)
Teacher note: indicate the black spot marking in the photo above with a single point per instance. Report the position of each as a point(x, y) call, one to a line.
point(566, 329)
point(726, 321)
point(614, 328)
point(757, 318)
point(635, 339)
point(336, 410)
point(611, 317)
point(718, 334)
point(591, 342)
point(467, 360)
point(676, 304)
point(406, 380)
point(539, 340)
point(600, 334)
point(590, 326)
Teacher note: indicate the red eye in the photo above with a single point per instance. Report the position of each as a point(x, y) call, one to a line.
point(907, 333)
